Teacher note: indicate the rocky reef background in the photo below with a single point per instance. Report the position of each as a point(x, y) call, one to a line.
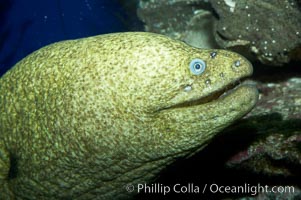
point(265, 30)
point(265, 146)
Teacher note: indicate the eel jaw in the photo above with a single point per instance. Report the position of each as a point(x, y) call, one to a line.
point(214, 96)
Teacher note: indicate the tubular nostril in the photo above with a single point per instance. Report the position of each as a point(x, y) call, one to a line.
point(236, 64)
point(187, 88)
point(208, 82)
point(213, 54)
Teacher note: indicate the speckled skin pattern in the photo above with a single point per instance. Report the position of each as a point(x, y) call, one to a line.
point(80, 119)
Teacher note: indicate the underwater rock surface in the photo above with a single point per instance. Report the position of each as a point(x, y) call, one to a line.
point(187, 20)
point(273, 147)
point(278, 131)
point(267, 31)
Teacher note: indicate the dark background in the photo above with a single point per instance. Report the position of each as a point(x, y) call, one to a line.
point(26, 26)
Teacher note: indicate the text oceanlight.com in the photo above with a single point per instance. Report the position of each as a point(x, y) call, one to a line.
point(191, 188)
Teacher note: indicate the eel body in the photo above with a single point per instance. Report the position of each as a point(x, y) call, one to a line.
point(82, 118)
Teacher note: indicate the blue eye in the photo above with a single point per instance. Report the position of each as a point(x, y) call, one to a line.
point(197, 66)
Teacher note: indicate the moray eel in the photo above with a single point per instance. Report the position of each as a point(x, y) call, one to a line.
point(80, 119)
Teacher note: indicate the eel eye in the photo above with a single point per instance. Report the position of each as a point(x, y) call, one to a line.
point(197, 66)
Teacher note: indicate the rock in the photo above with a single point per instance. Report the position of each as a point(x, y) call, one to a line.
point(274, 145)
point(269, 30)
point(260, 30)
point(187, 20)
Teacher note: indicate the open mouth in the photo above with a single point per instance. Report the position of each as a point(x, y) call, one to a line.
point(216, 95)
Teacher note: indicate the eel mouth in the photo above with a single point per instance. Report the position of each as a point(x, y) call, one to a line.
point(216, 95)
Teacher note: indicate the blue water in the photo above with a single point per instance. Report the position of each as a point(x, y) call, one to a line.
point(27, 25)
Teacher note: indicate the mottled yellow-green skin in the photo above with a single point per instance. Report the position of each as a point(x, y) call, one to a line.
point(82, 118)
